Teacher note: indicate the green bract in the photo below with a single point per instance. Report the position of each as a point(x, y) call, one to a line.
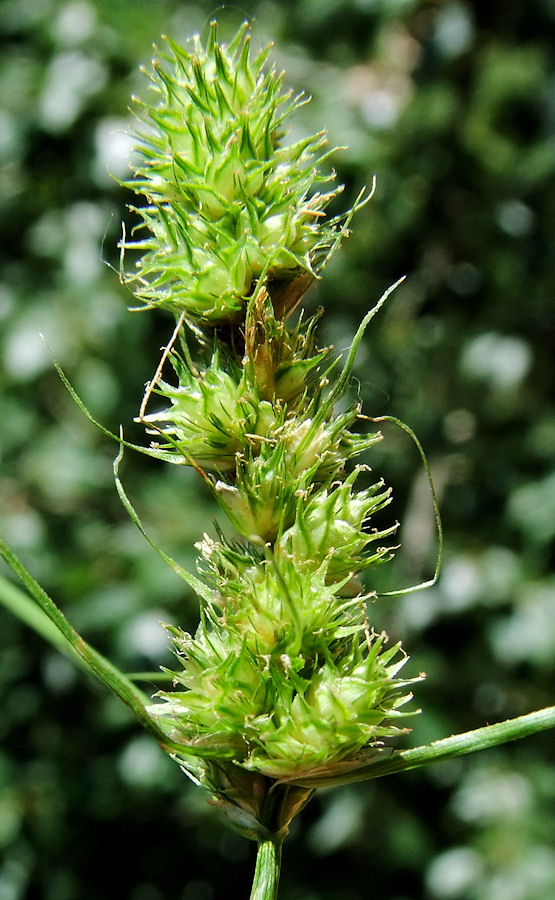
point(227, 199)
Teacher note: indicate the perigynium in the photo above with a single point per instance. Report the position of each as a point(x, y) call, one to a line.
point(285, 676)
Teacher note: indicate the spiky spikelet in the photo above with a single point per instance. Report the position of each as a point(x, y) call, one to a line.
point(227, 199)
point(211, 411)
point(330, 716)
point(283, 676)
point(241, 405)
point(333, 525)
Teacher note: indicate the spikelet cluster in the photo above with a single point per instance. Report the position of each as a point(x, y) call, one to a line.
point(285, 676)
point(227, 198)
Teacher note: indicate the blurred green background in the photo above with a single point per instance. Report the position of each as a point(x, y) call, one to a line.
point(452, 105)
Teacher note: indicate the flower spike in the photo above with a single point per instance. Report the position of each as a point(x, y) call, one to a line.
point(284, 678)
point(228, 200)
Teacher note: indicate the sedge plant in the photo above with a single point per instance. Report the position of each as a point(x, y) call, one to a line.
point(285, 686)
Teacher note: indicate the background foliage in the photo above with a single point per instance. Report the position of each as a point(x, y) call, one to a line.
point(451, 104)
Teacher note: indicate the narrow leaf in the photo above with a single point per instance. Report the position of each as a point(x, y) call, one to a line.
point(100, 667)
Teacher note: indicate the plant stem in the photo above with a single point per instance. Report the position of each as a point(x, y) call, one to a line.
point(97, 665)
point(266, 874)
point(21, 605)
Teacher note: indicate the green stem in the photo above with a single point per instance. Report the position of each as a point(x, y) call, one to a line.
point(439, 751)
point(20, 604)
point(66, 636)
point(266, 874)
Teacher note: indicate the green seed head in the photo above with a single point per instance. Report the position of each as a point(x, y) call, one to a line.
point(228, 201)
point(284, 676)
point(283, 714)
point(211, 411)
point(345, 706)
point(334, 525)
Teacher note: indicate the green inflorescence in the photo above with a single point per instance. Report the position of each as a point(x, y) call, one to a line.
point(227, 199)
point(285, 676)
